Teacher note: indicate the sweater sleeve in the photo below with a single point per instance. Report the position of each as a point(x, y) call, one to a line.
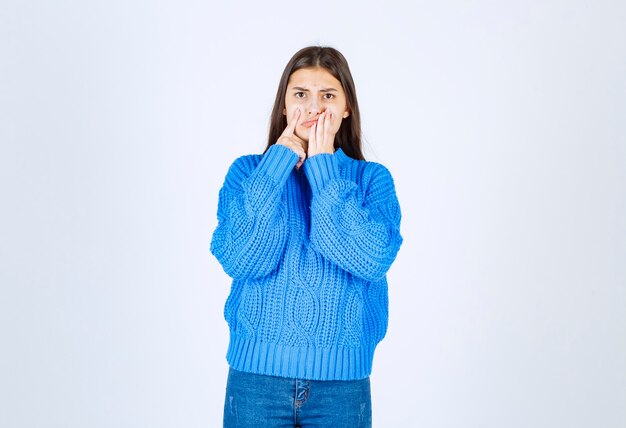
point(251, 232)
point(355, 226)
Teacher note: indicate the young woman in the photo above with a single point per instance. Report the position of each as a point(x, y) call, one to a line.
point(307, 231)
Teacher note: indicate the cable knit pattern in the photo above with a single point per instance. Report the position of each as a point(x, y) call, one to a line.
point(308, 251)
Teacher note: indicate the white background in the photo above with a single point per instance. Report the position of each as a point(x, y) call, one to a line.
point(503, 124)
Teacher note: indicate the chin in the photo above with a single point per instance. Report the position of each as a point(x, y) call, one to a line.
point(303, 137)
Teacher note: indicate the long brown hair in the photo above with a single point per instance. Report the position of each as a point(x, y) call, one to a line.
point(348, 138)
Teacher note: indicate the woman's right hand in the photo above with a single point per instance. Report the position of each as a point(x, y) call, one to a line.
point(289, 139)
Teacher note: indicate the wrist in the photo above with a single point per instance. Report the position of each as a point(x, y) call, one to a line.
point(319, 151)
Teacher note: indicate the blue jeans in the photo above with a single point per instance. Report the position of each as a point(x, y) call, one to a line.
point(254, 400)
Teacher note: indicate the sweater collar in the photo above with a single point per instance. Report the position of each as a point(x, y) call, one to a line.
point(341, 156)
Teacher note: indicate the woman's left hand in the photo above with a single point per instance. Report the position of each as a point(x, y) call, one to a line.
point(322, 137)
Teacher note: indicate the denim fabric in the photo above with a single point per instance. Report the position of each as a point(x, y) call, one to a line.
point(254, 400)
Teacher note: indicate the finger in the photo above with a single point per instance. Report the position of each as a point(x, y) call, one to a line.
point(301, 153)
point(301, 157)
point(312, 139)
point(328, 125)
point(292, 125)
point(319, 134)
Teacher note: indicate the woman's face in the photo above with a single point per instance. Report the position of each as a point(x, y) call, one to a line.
point(314, 90)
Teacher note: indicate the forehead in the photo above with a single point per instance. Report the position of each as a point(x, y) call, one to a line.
point(313, 78)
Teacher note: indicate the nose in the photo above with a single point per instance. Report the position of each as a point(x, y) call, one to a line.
point(314, 108)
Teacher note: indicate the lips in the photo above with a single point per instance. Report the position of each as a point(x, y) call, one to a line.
point(309, 123)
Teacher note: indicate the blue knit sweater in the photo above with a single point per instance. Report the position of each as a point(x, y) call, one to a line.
point(308, 251)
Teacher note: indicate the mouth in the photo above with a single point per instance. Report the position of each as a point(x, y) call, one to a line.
point(309, 123)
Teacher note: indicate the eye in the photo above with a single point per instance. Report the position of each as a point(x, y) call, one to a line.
point(297, 94)
point(330, 96)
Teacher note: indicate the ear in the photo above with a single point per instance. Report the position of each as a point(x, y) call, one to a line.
point(346, 114)
point(285, 112)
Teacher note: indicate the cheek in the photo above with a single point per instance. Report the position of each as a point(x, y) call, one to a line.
point(289, 112)
point(337, 121)
point(290, 108)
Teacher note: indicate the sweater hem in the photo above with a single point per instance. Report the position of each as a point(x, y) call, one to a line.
point(302, 362)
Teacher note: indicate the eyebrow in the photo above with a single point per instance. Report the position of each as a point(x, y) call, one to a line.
point(300, 88)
